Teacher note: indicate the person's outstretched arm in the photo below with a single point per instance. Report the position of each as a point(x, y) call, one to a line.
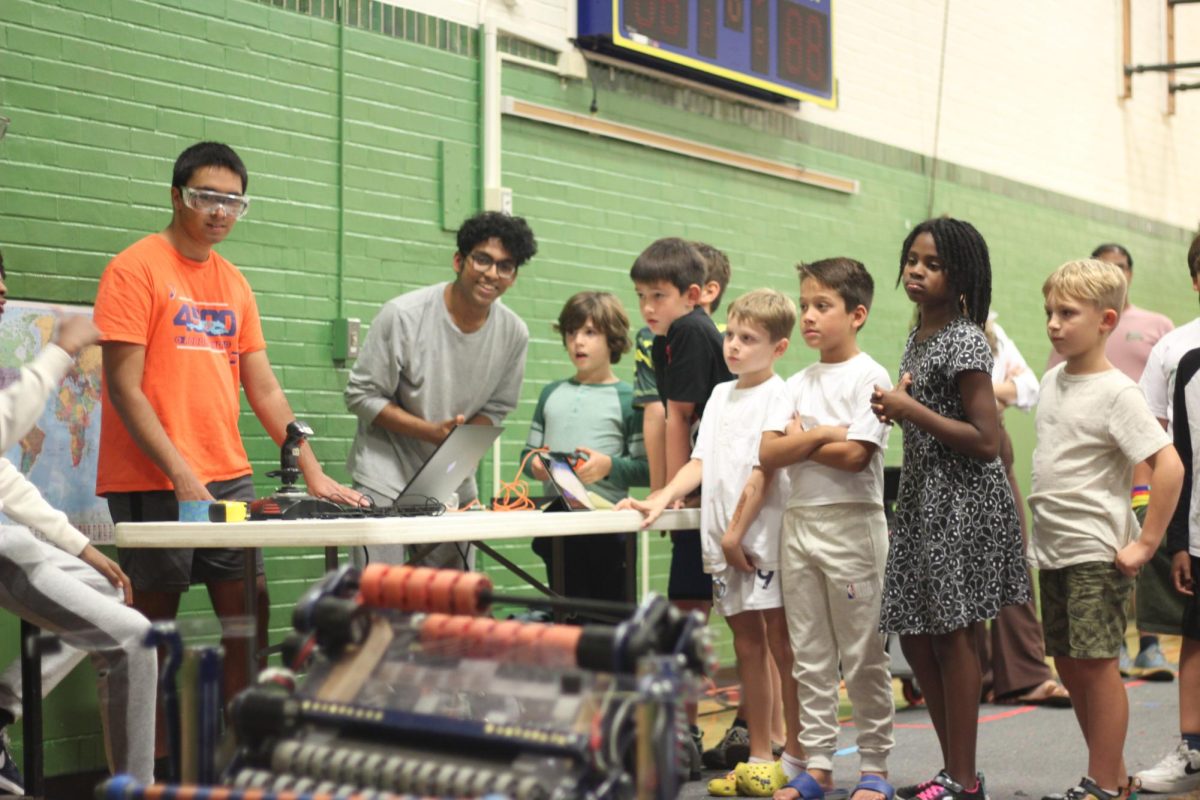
point(686, 481)
point(23, 401)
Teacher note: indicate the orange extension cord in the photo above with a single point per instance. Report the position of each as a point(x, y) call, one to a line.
point(515, 493)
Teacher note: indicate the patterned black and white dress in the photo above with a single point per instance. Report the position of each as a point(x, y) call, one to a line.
point(956, 554)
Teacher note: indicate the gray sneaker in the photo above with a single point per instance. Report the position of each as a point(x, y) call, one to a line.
point(1124, 662)
point(733, 748)
point(1152, 665)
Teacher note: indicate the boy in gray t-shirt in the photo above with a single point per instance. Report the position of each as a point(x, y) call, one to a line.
point(1093, 426)
point(435, 358)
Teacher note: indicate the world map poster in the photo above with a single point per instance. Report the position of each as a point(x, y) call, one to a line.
point(59, 454)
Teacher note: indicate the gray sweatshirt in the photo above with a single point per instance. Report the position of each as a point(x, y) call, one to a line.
point(416, 357)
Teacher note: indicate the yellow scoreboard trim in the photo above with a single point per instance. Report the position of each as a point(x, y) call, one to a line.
point(729, 74)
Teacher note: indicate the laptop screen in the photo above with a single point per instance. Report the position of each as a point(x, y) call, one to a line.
point(453, 462)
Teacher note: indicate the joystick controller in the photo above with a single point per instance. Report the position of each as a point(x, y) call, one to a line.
point(289, 501)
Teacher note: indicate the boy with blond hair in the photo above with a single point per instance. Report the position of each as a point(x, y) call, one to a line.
point(740, 508)
point(1093, 426)
point(822, 431)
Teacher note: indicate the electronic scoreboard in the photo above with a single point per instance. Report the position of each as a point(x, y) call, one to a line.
point(782, 48)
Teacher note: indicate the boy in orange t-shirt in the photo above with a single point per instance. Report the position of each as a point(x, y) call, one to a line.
point(181, 334)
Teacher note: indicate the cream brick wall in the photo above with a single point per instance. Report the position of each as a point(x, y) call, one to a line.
point(1030, 93)
point(1030, 90)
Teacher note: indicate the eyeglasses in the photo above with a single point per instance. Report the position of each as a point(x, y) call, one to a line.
point(207, 202)
point(484, 262)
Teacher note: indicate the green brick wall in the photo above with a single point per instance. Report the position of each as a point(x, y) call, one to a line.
point(104, 95)
point(343, 131)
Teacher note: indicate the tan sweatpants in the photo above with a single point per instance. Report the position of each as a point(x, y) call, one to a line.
point(831, 563)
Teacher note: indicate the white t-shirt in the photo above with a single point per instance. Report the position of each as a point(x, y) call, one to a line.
point(1091, 430)
point(835, 394)
point(1158, 379)
point(727, 445)
point(1008, 357)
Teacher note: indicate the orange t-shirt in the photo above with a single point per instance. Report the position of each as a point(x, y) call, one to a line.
point(196, 320)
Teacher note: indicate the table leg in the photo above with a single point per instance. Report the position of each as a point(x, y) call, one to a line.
point(631, 551)
point(331, 559)
point(250, 580)
point(31, 707)
point(558, 573)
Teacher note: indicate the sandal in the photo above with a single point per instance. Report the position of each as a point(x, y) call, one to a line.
point(1049, 693)
point(807, 786)
point(873, 783)
point(1087, 790)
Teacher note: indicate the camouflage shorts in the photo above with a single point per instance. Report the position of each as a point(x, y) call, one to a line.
point(1084, 609)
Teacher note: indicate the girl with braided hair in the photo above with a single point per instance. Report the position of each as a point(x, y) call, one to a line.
point(956, 554)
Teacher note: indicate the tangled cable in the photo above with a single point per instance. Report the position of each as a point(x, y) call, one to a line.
point(514, 495)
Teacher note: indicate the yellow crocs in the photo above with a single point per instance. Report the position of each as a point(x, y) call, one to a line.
point(760, 779)
point(723, 787)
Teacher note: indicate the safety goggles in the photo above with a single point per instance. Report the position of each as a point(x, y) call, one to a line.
point(207, 202)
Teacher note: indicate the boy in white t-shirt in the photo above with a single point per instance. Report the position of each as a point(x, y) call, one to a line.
point(740, 509)
point(1093, 426)
point(1167, 382)
point(834, 542)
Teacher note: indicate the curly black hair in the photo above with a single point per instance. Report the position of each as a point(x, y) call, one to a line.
point(965, 256)
point(513, 233)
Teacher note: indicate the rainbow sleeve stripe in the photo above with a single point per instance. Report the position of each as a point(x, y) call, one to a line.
point(1139, 497)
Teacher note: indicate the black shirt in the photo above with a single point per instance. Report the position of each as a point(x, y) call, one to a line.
point(689, 361)
point(1184, 421)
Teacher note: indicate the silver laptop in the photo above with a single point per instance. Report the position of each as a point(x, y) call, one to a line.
point(450, 464)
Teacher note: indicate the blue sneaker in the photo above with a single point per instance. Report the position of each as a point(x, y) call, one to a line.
point(11, 782)
point(1152, 665)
